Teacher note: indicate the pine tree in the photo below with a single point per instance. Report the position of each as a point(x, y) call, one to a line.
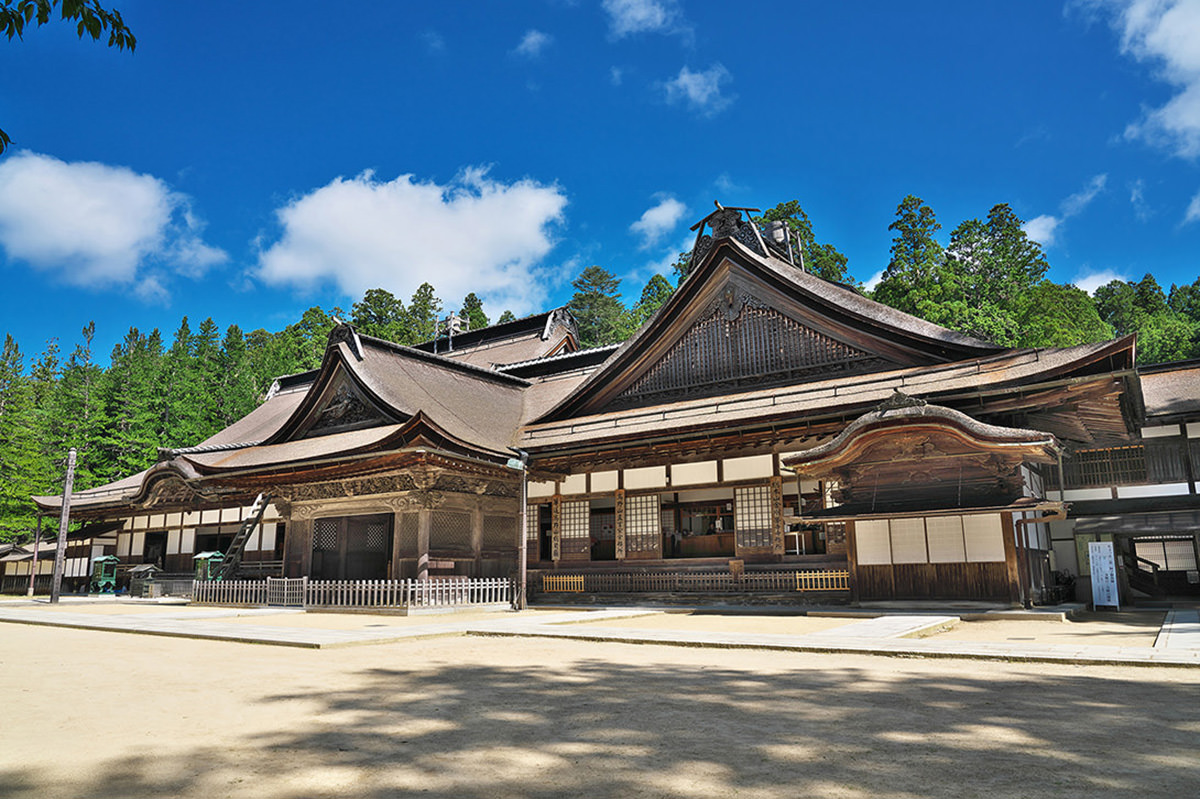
point(18, 447)
point(507, 316)
point(822, 260)
point(380, 314)
point(423, 313)
point(472, 311)
point(596, 306)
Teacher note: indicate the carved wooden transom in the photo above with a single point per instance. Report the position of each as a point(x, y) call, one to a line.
point(742, 342)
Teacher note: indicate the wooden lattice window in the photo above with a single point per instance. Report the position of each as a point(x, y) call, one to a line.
point(575, 527)
point(532, 523)
point(643, 531)
point(325, 535)
point(499, 532)
point(752, 516)
point(408, 535)
point(450, 531)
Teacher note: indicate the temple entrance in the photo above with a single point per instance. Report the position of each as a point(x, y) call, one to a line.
point(698, 524)
point(351, 548)
point(155, 549)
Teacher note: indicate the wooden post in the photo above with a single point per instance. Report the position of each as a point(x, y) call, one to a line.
point(523, 551)
point(1012, 567)
point(851, 560)
point(424, 527)
point(619, 525)
point(37, 539)
point(60, 553)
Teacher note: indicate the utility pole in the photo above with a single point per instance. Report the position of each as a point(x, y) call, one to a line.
point(37, 539)
point(60, 554)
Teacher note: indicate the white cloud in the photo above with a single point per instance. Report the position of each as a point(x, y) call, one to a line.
point(1089, 281)
point(659, 220)
point(616, 75)
point(1137, 197)
point(533, 43)
point(434, 43)
point(95, 225)
point(1165, 33)
point(1193, 210)
point(629, 17)
point(727, 184)
point(473, 234)
point(873, 281)
point(700, 91)
point(1074, 205)
point(1044, 229)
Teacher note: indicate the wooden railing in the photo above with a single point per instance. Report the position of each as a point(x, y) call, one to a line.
point(828, 580)
point(229, 592)
point(302, 592)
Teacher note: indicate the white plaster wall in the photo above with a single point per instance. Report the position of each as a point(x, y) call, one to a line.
point(646, 477)
point(575, 484)
point(187, 543)
point(750, 468)
point(686, 474)
point(540, 489)
point(604, 481)
point(1163, 490)
point(1160, 431)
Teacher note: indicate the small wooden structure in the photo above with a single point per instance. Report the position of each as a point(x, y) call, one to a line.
point(104, 574)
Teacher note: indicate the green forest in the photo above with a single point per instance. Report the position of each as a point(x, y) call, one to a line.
point(988, 281)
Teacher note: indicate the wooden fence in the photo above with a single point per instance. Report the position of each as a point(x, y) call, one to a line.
point(302, 592)
point(826, 580)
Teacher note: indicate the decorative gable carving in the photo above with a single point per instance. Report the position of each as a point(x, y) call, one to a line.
point(345, 409)
point(741, 343)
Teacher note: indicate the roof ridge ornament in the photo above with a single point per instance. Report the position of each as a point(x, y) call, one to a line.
point(898, 401)
point(727, 223)
point(344, 331)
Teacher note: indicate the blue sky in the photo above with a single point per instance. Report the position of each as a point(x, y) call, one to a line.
point(252, 159)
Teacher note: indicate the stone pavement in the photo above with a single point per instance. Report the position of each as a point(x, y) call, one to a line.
point(1178, 643)
point(1180, 630)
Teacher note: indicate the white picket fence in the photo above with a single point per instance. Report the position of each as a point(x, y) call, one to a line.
point(302, 592)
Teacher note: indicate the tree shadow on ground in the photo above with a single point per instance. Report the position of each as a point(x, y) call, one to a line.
point(602, 730)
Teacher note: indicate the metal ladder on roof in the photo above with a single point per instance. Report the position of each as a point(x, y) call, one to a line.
point(233, 556)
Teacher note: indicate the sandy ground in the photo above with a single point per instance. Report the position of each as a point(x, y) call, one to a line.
point(1093, 629)
point(92, 714)
point(725, 623)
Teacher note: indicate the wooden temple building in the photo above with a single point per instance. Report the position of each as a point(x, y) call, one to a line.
point(763, 421)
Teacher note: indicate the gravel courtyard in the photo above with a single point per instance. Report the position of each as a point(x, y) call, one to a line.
point(97, 714)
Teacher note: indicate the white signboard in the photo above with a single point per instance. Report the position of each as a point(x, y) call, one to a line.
point(1105, 590)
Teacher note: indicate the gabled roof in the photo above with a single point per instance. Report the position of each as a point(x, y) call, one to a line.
point(800, 328)
point(531, 337)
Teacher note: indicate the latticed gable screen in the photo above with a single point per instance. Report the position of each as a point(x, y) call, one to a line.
point(450, 531)
point(759, 346)
point(752, 516)
point(643, 531)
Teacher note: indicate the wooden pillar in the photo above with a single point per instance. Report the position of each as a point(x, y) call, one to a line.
point(851, 560)
point(619, 525)
point(297, 547)
point(777, 543)
point(556, 529)
point(477, 536)
point(1012, 567)
point(424, 526)
point(394, 572)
